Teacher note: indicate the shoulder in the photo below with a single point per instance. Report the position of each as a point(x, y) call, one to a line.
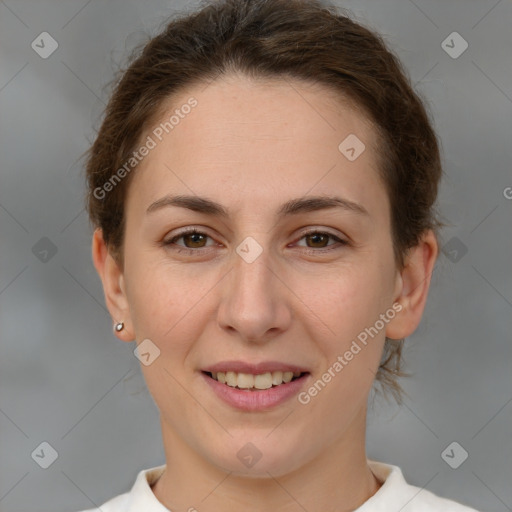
point(396, 493)
point(140, 497)
point(117, 504)
point(426, 501)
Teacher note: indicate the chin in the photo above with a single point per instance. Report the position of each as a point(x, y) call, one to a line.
point(259, 457)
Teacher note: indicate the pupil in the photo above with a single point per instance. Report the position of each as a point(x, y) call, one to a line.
point(195, 237)
point(316, 238)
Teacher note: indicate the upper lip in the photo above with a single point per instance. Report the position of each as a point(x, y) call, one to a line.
point(254, 368)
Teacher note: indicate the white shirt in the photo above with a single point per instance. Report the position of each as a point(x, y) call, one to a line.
point(394, 494)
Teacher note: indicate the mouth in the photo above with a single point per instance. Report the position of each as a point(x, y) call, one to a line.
point(255, 382)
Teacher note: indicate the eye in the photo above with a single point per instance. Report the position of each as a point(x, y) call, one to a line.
point(320, 240)
point(193, 239)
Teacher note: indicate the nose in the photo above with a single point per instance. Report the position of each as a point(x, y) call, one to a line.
point(255, 302)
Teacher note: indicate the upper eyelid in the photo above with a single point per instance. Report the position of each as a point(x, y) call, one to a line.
point(190, 231)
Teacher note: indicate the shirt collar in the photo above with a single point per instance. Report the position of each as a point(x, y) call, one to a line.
point(392, 481)
point(141, 497)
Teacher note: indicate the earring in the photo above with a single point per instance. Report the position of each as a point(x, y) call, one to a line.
point(118, 327)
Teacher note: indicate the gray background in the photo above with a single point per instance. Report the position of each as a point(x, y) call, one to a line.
point(64, 377)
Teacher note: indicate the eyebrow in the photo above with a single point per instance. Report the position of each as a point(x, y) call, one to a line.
point(292, 207)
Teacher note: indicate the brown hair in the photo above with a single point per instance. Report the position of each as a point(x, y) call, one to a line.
point(302, 39)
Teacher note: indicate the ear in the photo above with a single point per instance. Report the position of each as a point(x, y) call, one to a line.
point(412, 285)
point(113, 285)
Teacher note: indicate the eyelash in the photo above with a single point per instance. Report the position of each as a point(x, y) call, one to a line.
point(194, 231)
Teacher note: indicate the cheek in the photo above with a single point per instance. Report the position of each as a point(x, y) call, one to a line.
point(350, 306)
point(162, 297)
point(347, 300)
point(172, 306)
point(352, 347)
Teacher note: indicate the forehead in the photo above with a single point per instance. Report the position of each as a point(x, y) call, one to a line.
point(258, 139)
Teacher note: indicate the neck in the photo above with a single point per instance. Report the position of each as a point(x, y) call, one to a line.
point(338, 479)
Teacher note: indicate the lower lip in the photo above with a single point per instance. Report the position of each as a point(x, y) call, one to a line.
point(256, 400)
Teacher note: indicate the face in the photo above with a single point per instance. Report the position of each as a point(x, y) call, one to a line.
point(260, 285)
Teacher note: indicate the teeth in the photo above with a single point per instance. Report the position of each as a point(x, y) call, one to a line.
point(249, 381)
point(263, 381)
point(231, 379)
point(277, 378)
point(287, 376)
point(245, 380)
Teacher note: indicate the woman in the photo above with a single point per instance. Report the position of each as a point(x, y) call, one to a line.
point(263, 189)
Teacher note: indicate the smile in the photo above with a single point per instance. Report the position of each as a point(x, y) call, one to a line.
point(252, 382)
point(255, 392)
